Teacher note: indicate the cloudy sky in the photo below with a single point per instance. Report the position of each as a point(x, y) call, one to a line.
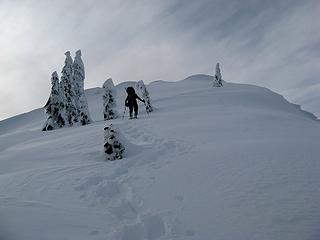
point(273, 43)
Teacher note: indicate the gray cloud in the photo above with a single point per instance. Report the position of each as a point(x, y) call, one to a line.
point(271, 43)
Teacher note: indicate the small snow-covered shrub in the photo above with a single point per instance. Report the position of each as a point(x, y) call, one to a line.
point(112, 147)
point(145, 95)
point(109, 102)
point(217, 78)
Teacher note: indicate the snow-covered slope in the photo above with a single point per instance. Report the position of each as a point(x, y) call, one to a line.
point(238, 162)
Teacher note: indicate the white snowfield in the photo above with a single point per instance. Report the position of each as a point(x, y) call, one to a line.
point(231, 163)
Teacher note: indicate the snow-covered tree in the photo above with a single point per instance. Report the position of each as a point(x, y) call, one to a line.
point(217, 78)
point(67, 85)
point(112, 146)
point(109, 102)
point(145, 95)
point(55, 106)
point(80, 98)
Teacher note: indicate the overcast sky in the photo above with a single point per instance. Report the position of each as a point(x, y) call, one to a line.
point(273, 43)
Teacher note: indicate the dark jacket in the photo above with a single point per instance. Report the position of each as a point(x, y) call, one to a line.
point(131, 99)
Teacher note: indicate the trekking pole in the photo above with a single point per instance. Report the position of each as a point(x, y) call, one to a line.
point(124, 112)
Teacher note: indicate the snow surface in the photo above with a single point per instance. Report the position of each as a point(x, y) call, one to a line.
point(237, 162)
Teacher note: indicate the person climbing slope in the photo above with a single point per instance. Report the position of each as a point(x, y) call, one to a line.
point(131, 102)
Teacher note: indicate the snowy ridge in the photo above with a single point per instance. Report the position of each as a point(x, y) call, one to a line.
point(237, 162)
point(307, 97)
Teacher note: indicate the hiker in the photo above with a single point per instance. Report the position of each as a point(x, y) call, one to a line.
point(131, 101)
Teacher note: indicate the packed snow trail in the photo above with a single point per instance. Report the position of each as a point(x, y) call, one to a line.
point(238, 162)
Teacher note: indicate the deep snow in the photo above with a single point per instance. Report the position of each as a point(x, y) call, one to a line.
point(238, 162)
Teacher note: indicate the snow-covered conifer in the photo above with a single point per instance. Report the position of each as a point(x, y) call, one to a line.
point(109, 102)
point(67, 86)
point(217, 78)
point(80, 98)
point(112, 146)
point(55, 106)
point(145, 95)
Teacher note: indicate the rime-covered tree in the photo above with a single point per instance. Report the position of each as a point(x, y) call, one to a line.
point(109, 102)
point(67, 85)
point(217, 78)
point(112, 147)
point(55, 106)
point(145, 95)
point(80, 98)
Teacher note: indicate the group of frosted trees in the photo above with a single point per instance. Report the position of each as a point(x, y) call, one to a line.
point(67, 104)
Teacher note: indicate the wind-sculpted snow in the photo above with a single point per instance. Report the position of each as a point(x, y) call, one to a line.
point(237, 162)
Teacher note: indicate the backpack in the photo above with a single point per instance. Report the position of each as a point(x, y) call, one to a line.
point(130, 90)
